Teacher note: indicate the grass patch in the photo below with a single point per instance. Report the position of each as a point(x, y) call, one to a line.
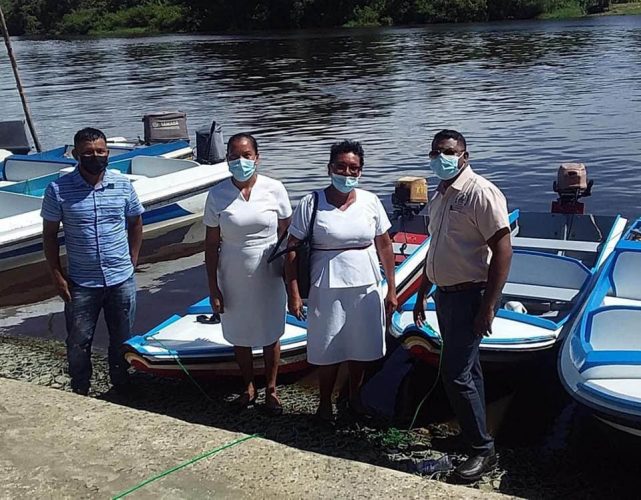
point(623, 9)
point(393, 438)
point(124, 32)
point(565, 12)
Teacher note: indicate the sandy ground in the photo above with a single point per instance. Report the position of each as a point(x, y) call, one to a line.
point(57, 444)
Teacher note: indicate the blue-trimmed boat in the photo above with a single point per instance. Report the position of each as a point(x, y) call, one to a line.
point(196, 342)
point(171, 188)
point(556, 257)
point(600, 361)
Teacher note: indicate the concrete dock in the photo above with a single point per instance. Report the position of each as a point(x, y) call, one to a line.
point(55, 445)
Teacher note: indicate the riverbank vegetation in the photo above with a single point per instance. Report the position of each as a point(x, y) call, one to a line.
point(95, 17)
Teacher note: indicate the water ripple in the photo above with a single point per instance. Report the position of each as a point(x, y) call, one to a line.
point(528, 95)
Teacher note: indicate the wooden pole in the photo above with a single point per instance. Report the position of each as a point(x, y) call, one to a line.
point(16, 74)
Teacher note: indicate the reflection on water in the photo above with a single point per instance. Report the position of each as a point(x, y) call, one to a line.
point(528, 95)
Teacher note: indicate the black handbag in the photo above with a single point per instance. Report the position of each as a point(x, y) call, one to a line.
point(303, 254)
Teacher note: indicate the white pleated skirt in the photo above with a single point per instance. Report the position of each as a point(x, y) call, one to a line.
point(345, 324)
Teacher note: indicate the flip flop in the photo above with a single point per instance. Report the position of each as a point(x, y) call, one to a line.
point(242, 402)
point(274, 410)
point(214, 319)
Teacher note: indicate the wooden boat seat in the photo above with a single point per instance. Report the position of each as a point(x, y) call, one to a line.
point(154, 166)
point(16, 204)
point(17, 169)
point(609, 300)
point(553, 244)
point(540, 292)
point(626, 275)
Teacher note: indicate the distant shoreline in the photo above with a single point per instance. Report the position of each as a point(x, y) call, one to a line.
point(163, 20)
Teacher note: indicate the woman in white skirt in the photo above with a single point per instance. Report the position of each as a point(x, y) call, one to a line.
point(244, 216)
point(346, 313)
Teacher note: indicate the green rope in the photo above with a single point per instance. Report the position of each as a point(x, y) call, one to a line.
point(177, 358)
point(438, 375)
point(183, 465)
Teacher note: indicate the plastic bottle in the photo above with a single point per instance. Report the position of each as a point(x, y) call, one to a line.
point(433, 465)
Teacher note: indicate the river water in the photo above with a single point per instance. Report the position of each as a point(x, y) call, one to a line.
point(527, 95)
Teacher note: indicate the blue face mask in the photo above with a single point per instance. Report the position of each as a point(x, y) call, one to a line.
point(343, 183)
point(445, 167)
point(242, 168)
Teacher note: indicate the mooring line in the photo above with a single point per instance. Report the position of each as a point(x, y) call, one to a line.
point(183, 465)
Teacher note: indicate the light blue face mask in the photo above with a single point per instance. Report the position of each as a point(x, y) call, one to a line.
point(344, 183)
point(242, 168)
point(445, 167)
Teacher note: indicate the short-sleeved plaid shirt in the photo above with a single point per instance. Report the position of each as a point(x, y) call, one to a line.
point(94, 222)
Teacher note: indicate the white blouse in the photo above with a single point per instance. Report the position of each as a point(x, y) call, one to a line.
point(247, 222)
point(338, 259)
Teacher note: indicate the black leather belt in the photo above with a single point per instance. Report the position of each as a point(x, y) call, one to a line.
point(462, 287)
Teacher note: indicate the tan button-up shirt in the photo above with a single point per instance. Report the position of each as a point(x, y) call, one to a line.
point(462, 219)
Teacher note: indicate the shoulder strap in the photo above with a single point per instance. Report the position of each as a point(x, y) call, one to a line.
point(312, 220)
point(310, 232)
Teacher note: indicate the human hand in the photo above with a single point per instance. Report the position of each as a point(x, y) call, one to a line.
point(62, 287)
point(483, 321)
point(391, 303)
point(216, 300)
point(295, 306)
point(419, 311)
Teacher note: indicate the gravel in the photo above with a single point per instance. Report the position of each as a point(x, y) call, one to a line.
point(568, 455)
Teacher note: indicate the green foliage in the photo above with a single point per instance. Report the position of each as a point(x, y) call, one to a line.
point(78, 22)
point(452, 11)
point(153, 17)
point(79, 17)
point(562, 9)
point(393, 438)
point(516, 9)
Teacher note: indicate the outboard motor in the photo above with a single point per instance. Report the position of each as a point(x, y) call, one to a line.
point(571, 185)
point(410, 196)
point(210, 145)
point(13, 137)
point(409, 225)
point(165, 126)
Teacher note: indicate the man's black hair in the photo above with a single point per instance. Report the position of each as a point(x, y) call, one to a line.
point(450, 134)
point(242, 135)
point(347, 146)
point(88, 134)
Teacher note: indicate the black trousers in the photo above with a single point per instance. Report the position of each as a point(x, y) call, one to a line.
point(461, 367)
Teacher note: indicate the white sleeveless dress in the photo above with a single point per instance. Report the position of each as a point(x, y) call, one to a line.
point(253, 290)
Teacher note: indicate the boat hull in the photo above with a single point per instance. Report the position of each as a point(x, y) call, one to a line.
point(600, 361)
point(169, 231)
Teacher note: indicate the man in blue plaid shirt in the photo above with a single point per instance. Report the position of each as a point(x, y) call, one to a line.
point(102, 220)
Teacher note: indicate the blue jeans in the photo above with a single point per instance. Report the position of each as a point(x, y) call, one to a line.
point(119, 305)
point(461, 366)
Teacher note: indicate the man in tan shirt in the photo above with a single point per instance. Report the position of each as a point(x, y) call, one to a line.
point(468, 260)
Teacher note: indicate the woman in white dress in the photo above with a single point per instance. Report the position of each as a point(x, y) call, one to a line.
point(244, 216)
point(346, 313)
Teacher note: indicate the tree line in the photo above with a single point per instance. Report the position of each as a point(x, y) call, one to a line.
point(81, 17)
